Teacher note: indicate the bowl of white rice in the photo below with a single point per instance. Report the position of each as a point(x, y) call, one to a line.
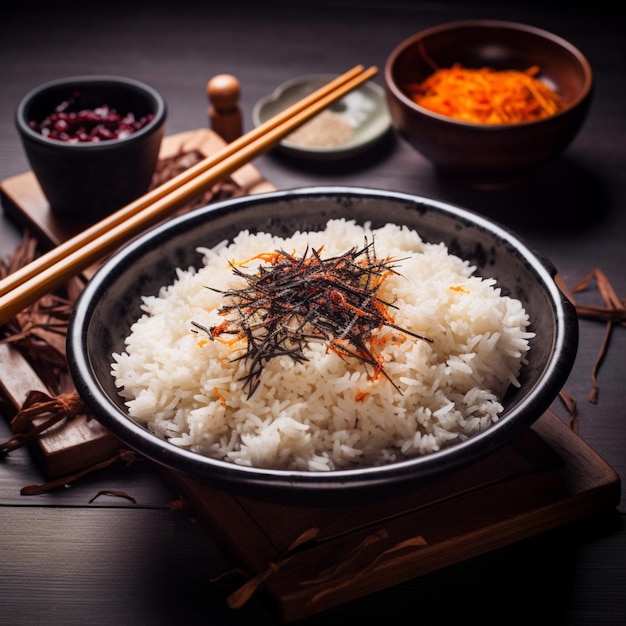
point(321, 342)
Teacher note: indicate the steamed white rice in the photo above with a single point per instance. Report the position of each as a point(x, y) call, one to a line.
point(327, 413)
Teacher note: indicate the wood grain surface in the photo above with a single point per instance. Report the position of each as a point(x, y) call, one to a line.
point(85, 553)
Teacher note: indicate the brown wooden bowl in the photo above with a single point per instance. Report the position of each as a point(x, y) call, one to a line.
point(488, 154)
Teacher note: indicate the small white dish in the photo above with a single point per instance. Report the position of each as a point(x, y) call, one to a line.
point(346, 128)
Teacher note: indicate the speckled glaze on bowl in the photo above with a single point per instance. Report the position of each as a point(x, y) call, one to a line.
point(110, 304)
point(87, 181)
point(481, 154)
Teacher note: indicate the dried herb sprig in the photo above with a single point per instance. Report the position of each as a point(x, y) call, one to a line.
point(38, 332)
point(291, 301)
point(613, 312)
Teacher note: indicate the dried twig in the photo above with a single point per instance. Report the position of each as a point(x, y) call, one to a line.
point(570, 405)
point(613, 312)
point(39, 413)
point(128, 456)
point(239, 597)
point(114, 493)
point(38, 332)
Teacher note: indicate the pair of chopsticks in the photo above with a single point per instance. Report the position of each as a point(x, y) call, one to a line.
point(52, 270)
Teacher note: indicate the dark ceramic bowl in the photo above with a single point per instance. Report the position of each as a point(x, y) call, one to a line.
point(111, 300)
point(481, 154)
point(87, 181)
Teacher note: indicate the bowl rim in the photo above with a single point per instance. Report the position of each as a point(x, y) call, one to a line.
point(266, 482)
point(157, 121)
point(487, 24)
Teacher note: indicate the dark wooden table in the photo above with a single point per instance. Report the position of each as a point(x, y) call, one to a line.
point(65, 559)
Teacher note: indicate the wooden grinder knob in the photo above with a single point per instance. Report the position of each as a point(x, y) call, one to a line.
point(224, 113)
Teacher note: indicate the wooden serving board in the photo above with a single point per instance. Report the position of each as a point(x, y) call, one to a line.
point(547, 477)
point(544, 479)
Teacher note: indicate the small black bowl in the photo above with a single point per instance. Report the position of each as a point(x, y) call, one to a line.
point(87, 181)
point(111, 301)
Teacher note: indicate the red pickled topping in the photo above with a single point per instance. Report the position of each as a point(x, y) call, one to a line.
point(88, 125)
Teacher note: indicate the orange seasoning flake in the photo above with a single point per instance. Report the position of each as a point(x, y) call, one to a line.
point(220, 395)
point(486, 96)
point(459, 289)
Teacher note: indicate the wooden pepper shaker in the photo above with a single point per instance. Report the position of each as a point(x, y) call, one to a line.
point(224, 113)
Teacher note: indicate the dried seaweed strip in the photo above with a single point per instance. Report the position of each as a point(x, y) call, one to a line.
point(291, 301)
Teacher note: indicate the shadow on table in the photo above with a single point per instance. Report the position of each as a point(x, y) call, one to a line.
point(560, 199)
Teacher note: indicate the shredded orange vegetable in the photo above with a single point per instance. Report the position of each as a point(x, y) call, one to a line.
point(486, 96)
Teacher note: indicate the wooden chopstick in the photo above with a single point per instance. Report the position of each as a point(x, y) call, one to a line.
point(54, 268)
point(94, 231)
